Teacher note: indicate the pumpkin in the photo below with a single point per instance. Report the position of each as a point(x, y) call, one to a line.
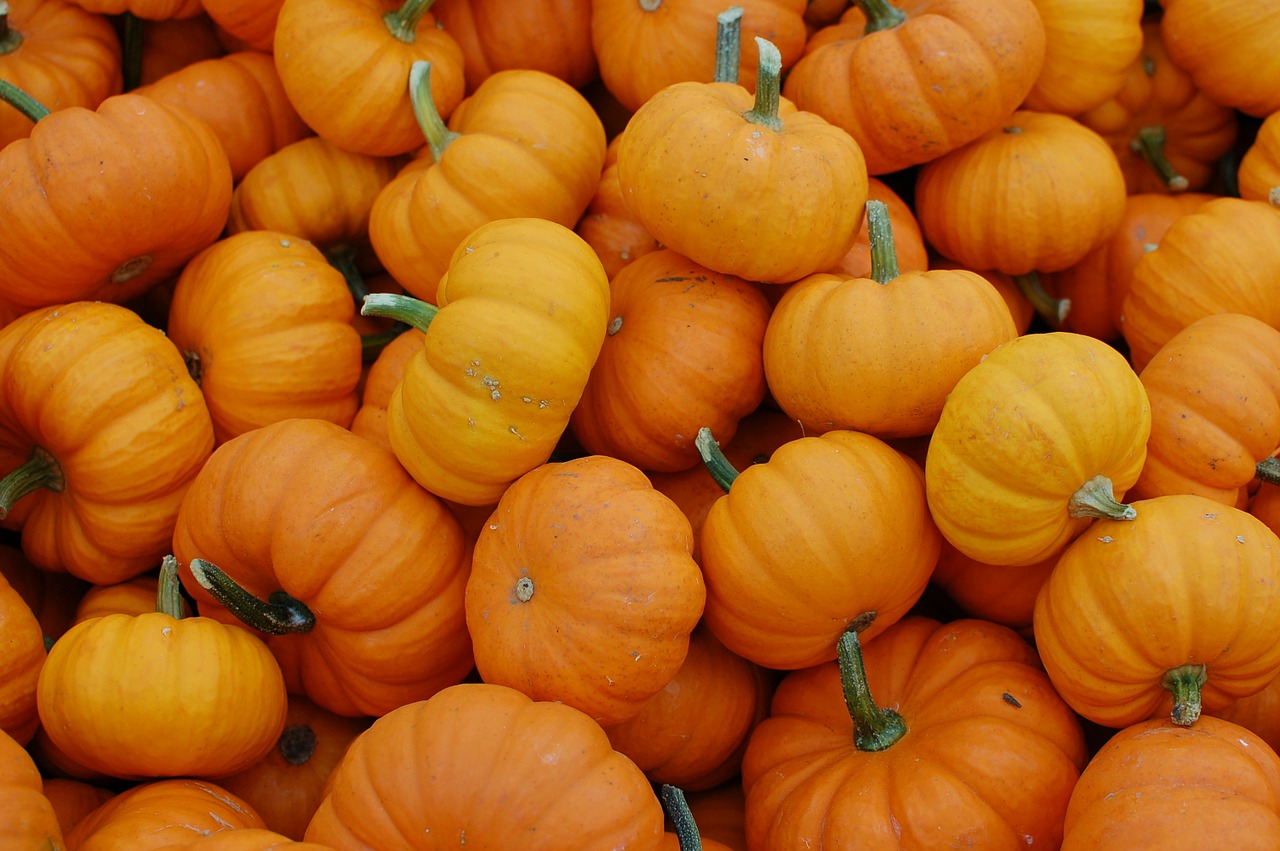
point(134, 596)
point(908, 242)
point(1159, 785)
point(434, 771)
point(522, 316)
point(176, 43)
point(550, 35)
point(381, 381)
point(685, 835)
point(1265, 505)
point(743, 185)
point(1047, 191)
point(27, 819)
point(525, 144)
point(80, 225)
point(160, 695)
point(1255, 712)
point(247, 839)
point(977, 749)
point(72, 800)
point(608, 226)
point(800, 545)
point(1259, 169)
point(101, 433)
point(1182, 607)
point(998, 593)
point(160, 814)
point(52, 596)
point(1042, 436)
point(251, 21)
point(318, 539)
point(22, 654)
point(1227, 48)
point(860, 353)
point(148, 10)
point(683, 350)
point(720, 814)
point(59, 54)
point(1088, 48)
point(586, 541)
point(345, 67)
point(875, 75)
point(264, 324)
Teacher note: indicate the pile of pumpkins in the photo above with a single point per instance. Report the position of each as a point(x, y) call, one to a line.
point(860, 433)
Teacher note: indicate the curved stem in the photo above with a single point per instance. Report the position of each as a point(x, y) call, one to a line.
point(1148, 143)
point(434, 130)
point(1185, 684)
point(1268, 470)
point(131, 51)
point(21, 101)
point(728, 45)
point(1053, 310)
point(880, 14)
point(678, 811)
point(169, 590)
point(40, 470)
point(279, 614)
point(874, 728)
point(405, 308)
point(768, 87)
point(1097, 498)
point(884, 255)
point(713, 459)
point(403, 22)
point(10, 39)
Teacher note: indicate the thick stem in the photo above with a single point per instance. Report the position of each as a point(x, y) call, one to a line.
point(1148, 143)
point(10, 39)
point(131, 51)
point(1053, 310)
point(404, 308)
point(1268, 470)
point(1097, 498)
point(768, 87)
point(434, 130)
point(874, 728)
point(678, 811)
point(1185, 684)
point(728, 45)
point(21, 101)
point(713, 459)
point(884, 255)
point(40, 470)
point(403, 22)
point(169, 591)
point(279, 614)
point(880, 14)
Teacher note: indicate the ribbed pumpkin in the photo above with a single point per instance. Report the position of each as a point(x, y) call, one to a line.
point(27, 819)
point(1089, 44)
point(496, 35)
point(22, 655)
point(1226, 45)
point(1259, 170)
point(160, 814)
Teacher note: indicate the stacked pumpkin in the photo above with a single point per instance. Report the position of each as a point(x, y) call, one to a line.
point(480, 423)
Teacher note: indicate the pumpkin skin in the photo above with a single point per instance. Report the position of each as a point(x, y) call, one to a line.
point(160, 814)
point(1256, 713)
point(22, 655)
point(79, 227)
point(552, 36)
point(989, 759)
point(1189, 582)
point(1259, 170)
point(72, 800)
point(59, 54)
point(1088, 47)
point(250, 21)
point(122, 422)
point(173, 44)
point(608, 226)
point(1158, 785)
point(829, 527)
point(136, 596)
point(683, 350)
point(264, 323)
point(148, 10)
point(1227, 48)
point(248, 839)
point(997, 593)
point(874, 85)
point(908, 242)
point(587, 541)
point(446, 765)
point(1022, 433)
point(378, 562)
point(27, 819)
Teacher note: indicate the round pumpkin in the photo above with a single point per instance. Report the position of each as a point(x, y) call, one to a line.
point(27, 819)
point(22, 654)
point(160, 814)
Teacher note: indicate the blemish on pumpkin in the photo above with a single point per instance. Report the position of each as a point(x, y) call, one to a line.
point(513, 430)
point(1011, 700)
point(524, 589)
point(130, 269)
point(284, 243)
point(1106, 539)
point(1240, 538)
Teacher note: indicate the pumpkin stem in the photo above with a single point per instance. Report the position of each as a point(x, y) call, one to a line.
point(437, 134)
point(713, 459)
point(169, 591)
point(403, 22)
point(686, 829)
point(297, 744)
point(1148, 143)
point(1185, 684)
point(874, 728)
point(343, 258)
point(728, 45)
point(10, 39)
point(880, 14)
point(405, 308)
point(1097, 498)
point(1268, 470)
point(40, 470)
point(884, 254)
point(131, 50)
point(23, 102)
point(1053, 310)
point(768, 87)
point(280, 614)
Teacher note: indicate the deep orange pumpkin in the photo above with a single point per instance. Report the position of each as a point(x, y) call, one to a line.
point(495, 35)
point(1227, 46)
point(1088, 47)
point(22, 655)
point(27, 819)
point(160, 814)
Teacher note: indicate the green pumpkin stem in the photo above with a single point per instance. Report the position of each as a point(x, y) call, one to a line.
point(40, 470)
point(1148, 143)
point(874, 728)
point(713, 459)
point(169, 591)
point(768, 87)
point(728, 45)
point(1096, 498)
point(279, 614)
point(131, 40)
point(434, 130)
point(1268, 470)
point(403, 308)
point(10, 39)
point(880, 15)
point(884, 254)
point(686, 829)
point(1053, 310)
point(403, 22)
point(1185, 684)
point(23, 102)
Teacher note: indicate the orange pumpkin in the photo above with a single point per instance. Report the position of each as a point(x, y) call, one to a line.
point(1088, 48)
point(251, 21)
point(908, 242)
point(72, 800)
point(134, 596)
point(1001, 594)
point(176, 43)
point(22, 655)
point(608, 226)
point(550, 35)
point(148, 10)
point(27, 819)
point(247, 839)
point(160, 814)
point(1226, 45)
point(52, 596)
point(381, 381)
point(1259, 170)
